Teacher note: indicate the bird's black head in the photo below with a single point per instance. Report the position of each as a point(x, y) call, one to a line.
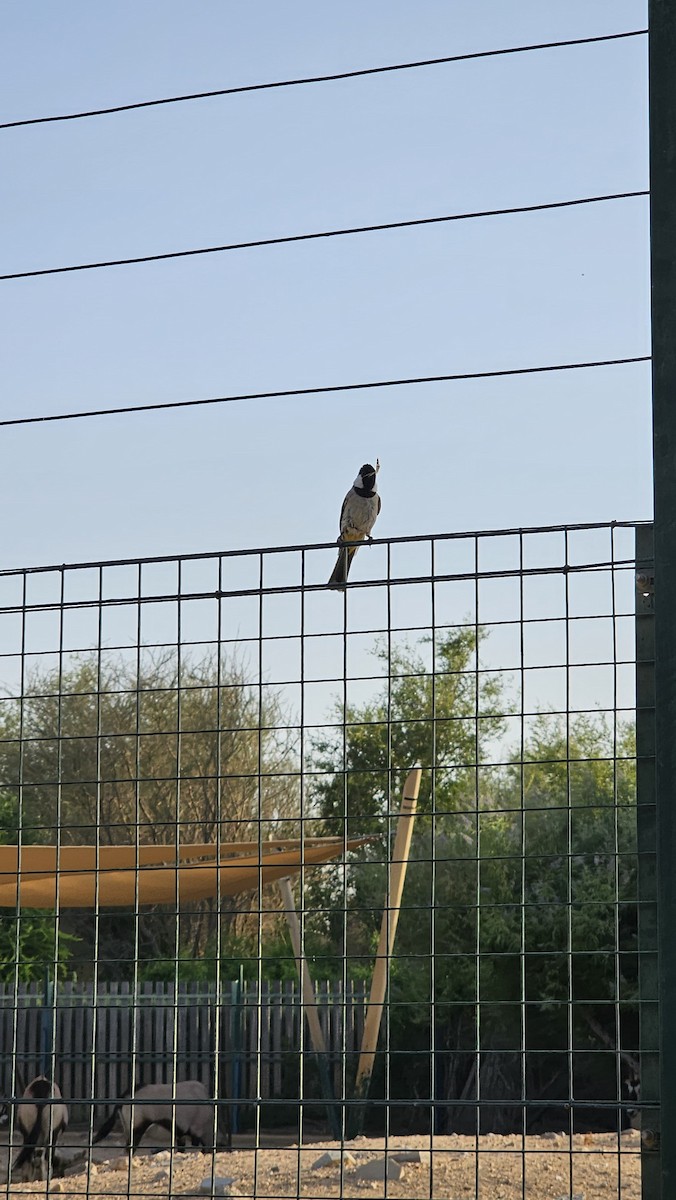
point(368, 476)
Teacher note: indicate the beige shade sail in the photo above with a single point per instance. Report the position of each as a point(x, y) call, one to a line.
point(120, 881)
point(43, 860)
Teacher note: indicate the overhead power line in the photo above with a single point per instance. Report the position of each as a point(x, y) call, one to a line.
point(285, 393)
point(333, 77)
point(326, 233)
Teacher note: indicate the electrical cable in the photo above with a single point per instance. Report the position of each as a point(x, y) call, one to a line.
point(329, 78)
point(319, 391)
point(323, 234)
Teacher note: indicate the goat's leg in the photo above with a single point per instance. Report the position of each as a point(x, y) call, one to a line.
point(138, 1134)
point(41, 1161)
point(58, 1164)
point(25, 1156)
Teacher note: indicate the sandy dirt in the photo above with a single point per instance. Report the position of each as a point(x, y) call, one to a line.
point(600, 1167)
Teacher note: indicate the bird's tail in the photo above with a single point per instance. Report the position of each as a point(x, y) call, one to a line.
point(340, 571)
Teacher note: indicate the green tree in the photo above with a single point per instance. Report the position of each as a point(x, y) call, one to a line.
point(521, 882)
point(422, 717)
point(159, 753)
point(438, 720)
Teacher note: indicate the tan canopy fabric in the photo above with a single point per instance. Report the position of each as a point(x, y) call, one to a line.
point(67, 876)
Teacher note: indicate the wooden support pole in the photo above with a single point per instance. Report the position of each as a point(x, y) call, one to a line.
point(309, 998)
point(310, 1008)
point(388, 929)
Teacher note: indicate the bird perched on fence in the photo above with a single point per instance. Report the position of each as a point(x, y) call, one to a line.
point(357, 518)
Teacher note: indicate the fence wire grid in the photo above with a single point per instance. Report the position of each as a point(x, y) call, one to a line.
point(232, 698)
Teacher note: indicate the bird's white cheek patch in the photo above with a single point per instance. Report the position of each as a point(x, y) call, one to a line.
point(358, 482)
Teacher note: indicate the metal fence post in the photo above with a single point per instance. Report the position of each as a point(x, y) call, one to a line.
point(662, 62)
point(236, 1036)
point(649, 1037)
point(46, 1031)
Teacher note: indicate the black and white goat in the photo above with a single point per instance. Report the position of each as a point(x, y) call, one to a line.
point(187, 1112)
point(41, 1116)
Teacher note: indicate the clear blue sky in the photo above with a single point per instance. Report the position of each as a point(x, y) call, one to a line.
point(482, 295)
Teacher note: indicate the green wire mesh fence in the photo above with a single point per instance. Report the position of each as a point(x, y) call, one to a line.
point(231, 698)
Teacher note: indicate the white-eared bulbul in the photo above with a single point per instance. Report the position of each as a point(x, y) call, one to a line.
point(357, 518)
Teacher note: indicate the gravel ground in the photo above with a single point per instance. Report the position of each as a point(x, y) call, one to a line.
point(601, 1167)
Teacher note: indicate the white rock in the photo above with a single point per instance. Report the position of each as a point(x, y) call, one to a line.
point(412, 1156)
point(326, 1160)
point(380, 1169)
point(333, 1158)
point(217, 1185)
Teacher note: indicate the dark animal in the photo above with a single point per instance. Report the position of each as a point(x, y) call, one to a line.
point(41, 1116)
point(189, 1112)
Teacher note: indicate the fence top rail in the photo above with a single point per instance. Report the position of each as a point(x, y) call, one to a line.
point(150, 991)
point(139, 599)
point(457, 535)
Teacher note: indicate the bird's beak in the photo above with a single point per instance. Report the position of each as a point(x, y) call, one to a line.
point(377, 465)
